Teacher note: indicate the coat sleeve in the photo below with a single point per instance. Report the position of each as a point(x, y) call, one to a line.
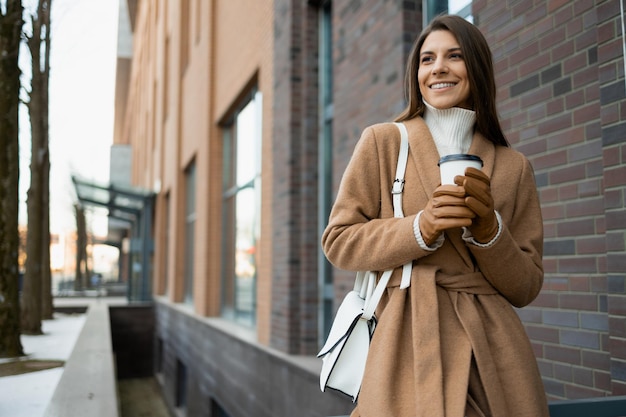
point(513, 264)
point(362, 233)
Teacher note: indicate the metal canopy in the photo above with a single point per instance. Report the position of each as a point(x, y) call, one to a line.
point(133, 206)
point(113, 197)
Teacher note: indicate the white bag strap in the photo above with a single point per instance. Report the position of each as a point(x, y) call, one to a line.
point(398, 183)
point(403, 156)
point(365, 283)
point(372, 302)
point(397, 188)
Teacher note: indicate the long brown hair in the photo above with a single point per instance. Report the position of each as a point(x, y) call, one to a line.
point(479, 64)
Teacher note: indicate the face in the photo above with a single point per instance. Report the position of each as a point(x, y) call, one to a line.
point(442, 75)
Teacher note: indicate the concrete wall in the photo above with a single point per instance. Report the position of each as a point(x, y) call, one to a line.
point(227, 367)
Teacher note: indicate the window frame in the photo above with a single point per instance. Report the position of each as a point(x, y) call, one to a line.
point(432, 8)
point(238, 295)
point(189, 233)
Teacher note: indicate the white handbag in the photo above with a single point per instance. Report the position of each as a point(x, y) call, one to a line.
point(345, 352)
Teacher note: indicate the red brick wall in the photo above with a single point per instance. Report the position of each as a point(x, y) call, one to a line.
point(613, 127)
point(294, 195)
point(371, 43)
point(561, 98)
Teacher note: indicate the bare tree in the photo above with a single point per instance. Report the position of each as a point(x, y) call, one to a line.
point(38, 238)
point(10, 35)
point(82, 266)
point(46, 274)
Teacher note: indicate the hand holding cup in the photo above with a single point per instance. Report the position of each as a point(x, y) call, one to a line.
point(479, 200)
point(445, 210)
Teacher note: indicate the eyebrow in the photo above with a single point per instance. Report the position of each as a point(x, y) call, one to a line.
point(457, 48)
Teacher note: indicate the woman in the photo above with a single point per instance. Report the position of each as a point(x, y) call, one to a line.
point(449, 345)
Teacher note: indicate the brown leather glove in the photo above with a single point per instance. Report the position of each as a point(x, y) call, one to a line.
point(445, 210)
point(479, 199)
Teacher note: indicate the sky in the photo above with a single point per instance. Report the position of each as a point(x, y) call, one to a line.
point(82, 87)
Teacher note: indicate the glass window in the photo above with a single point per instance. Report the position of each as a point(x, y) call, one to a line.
point(190, 225)
point(218, 411)
point(185, 33)
point(166, 244)
point(242, 211)
point(325, 284)
point(181, 385)
point(433, 8)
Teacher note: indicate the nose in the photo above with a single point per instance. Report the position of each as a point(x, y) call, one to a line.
point(439, 66)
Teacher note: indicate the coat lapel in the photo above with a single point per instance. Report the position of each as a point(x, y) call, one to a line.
point(424, 155)
point(486, 150)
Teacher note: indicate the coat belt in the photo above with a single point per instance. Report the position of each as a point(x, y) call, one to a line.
point(427, 344)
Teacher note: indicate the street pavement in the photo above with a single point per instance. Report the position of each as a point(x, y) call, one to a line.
point(27, 395)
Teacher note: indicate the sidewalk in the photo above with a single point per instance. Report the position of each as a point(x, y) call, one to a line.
point(27, 395)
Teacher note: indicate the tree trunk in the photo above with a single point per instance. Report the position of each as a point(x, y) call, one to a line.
point(46, 276)
point(78, 211)
point(10, 34)
point(38, 229)
point(82, 268)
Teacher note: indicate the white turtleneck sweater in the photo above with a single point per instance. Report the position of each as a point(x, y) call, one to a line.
point(452, 130)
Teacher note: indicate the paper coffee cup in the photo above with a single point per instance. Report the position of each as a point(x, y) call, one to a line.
point(452, 165)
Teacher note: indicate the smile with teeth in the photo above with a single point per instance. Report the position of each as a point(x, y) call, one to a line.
point(441, 85)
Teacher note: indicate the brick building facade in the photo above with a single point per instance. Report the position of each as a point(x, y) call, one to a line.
point(229, 104)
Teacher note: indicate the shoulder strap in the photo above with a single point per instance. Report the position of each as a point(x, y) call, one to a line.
point(403, 155)
point(398, 187)
point(398, 183)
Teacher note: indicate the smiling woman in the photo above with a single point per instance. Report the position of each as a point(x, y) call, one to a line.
point(475, 245)
point(442, 74)
point(478, 63)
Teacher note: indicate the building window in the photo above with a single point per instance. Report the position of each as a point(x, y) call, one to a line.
point(325, 284)
point(181, 385)
point(432, 8)
point(198, 13)
point(185, 33)
point(166, 79)
point(242, 210)
point(190, 225)
point(159, 357)
point(166, 246)
point(217, 410)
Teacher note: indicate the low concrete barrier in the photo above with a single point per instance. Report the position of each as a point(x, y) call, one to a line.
point(596, 407)
point(88, 385)
point(588, 407)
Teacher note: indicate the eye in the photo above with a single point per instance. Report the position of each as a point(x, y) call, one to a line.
point(456, 56)
point(426, 59)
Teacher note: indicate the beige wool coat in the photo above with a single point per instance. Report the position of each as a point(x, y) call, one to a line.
point(453, 331)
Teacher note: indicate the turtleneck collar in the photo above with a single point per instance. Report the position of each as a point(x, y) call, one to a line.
point(452, 129)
